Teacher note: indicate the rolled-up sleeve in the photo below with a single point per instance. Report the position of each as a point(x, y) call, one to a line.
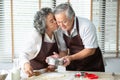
point(88, 35)
point(29, 50)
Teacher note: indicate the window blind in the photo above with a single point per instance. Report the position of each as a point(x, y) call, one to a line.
point(95, 17)
point(5, 31)
point(81, 7)
point(24, 12)
point(23, 15)
point(105, 19)
point(110, 26)
point(53, 3)
point(60, 1)
point(98, 18)
point(119, 25)
point(102, 21)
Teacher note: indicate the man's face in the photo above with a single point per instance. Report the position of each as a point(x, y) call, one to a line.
point(63, 21)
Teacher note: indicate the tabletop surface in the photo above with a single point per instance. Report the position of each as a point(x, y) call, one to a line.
point(70, 75)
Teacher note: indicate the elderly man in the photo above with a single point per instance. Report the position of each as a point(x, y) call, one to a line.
point(78, 36)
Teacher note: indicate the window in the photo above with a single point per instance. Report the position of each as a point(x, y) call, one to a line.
point(23, 15)
point(81, 7)
point(12, 33)
point(23, 11)
point(105, 19)
point(5, 31)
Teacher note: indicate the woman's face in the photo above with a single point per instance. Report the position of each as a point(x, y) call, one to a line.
point(51, 22)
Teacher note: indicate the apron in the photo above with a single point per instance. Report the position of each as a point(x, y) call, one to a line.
point(90, 63)
point(47, 49)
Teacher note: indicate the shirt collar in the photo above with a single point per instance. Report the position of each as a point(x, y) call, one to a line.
point(74, 26)
point(48, 39)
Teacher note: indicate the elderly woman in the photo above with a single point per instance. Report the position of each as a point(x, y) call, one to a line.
point(42, 43)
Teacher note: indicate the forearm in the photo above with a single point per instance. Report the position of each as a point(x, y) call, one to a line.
point(62, 53)
point(82, 54)
point(23, 60)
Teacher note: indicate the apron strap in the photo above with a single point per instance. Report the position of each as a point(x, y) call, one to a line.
point(77, 25)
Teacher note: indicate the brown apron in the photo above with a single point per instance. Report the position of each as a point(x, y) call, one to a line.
point(90, 63)
point(47, 49)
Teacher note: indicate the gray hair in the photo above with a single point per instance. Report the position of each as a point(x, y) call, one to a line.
point(65, 7)
point(40, 19)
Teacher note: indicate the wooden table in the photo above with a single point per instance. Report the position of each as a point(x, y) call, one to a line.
point(70, 75)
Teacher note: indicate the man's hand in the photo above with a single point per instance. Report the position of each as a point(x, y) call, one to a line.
point(28, 69)
point(67, 60)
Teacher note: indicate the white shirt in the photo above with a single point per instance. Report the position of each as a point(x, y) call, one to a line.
point(32, 47)
point(87, 32)
point(48, 39)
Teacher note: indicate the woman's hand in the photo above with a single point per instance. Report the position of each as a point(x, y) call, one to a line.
point(28, 69)
point(55, 55)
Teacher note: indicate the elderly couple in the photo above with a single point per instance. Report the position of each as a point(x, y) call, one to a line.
point(77, 34)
